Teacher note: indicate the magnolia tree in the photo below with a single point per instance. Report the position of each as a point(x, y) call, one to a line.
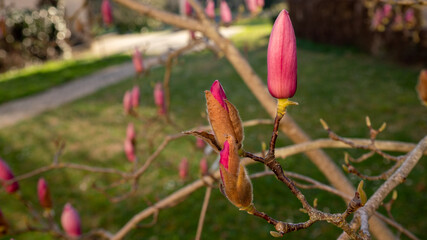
point(225, 136)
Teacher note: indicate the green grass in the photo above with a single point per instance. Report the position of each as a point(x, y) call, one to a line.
point(339, 85)
point(31, 80)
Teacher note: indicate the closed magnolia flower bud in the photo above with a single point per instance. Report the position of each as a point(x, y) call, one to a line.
point(159, 98)
point(225, 12)
point(387, 10)
point(127, 102)
point(200, 143)
point(3, 225)
point(70, 221)
point(107, 13)
point(223, 116)
point(129, 148)
point(236, 184)
point(204, 166)
point(188, 9)
point(138, 62)
point(260, 3)
point(130, 132)
point(251, 5)
point(410, 16)
point(183, 169)
point(135, 94)
point(5, 175)
point(210, 9)
point(422, 87)
point(44, 194)
point(282, 58)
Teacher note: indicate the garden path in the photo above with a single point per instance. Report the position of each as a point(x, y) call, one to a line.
point(156, 43)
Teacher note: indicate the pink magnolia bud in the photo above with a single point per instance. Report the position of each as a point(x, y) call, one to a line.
point(130, 132)
point(210, 9)
point(5, 175)
point(106, 11)
point(70, 221)
point(225, 12)
point(409, 15)
point(127, 102)
point(204, 166)
point(183, 169)
point(377, 18)
point(251, 5)
point(129, 148)
point(188, 8)
point(159, 98)
point(260, 3)
point(225, 155)
point(387, 8)
point(200, 143)
point(44, 194)
point(219, 94)
point(137, 61)
point(135, 97)
point(282, 58)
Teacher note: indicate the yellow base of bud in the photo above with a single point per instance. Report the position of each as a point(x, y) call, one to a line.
point(282, 104)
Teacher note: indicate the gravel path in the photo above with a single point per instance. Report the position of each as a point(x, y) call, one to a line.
point(24, 108)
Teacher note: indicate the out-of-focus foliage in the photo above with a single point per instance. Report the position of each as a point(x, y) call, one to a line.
point(36, 35)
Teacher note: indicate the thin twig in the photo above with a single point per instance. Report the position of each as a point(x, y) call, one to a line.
point(203, 213)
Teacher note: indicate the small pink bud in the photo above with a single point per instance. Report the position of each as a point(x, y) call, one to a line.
point(282, 58)
point(251, 5)
point(106, 11)
point(377, 18)
point(130, 132)
point(159, 98)
point(225, 155)
point(135, 97)
point(210, 9)
point(204, 166)
point(127, 102)
point(138, 61)
point(129, 150)
point(219, 94)
point(44, 194)
point(260, 3)
point(200, 143)
point(70, 221)
point(183, 169)
point(410, 15)
point(188, 8)
point(225, 12)
point(387, 10)
point(5, 175)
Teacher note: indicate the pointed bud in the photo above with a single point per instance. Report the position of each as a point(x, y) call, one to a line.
point(3, 225)
point(127, 102)
point(135, 96)
point(159, 98)
point(204, 166)
point(252, 5)
point(422, 87)
point(410, 16)
point(362, 194)
point(44, 194)
point(70, 221)
point(129, 148)
point(183, 169)
point(387, 8)
point(137, 60)
point(282, 58)
point(394, 196)
point(260, 3)
point(219, 94)
point(130, 132)
point(210, 9)
point(225, 12)
point(107, 13)
point(5, 175)
point(188, 8)
point(200, 143)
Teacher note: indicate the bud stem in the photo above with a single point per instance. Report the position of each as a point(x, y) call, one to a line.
point(282, 104)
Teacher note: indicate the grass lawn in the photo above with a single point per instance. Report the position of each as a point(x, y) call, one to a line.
point(24, 82)
point(337, 84)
